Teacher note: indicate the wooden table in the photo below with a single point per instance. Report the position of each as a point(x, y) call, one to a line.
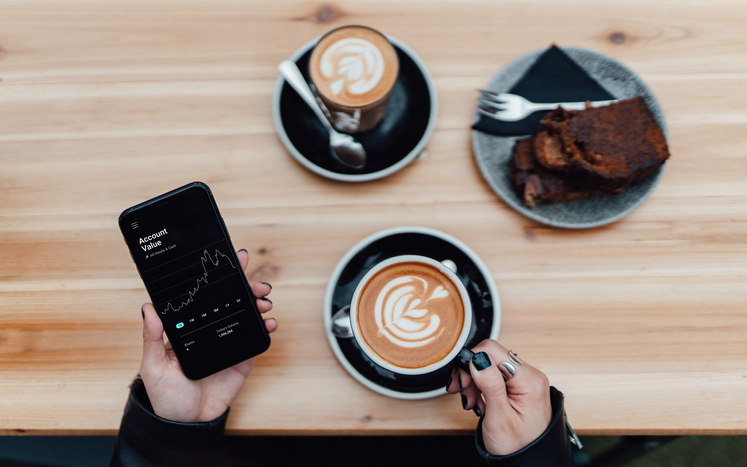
point(641, 323)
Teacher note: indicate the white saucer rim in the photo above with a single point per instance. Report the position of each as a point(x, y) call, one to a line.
point(412, 155)
point(482, 267)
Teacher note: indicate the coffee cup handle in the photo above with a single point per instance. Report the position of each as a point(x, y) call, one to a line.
point(462, 359)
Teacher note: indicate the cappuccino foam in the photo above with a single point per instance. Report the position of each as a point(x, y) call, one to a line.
point(410, 314)
point(354, 66)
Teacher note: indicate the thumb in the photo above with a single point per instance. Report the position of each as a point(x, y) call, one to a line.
point(153, 346)
point(489, 380)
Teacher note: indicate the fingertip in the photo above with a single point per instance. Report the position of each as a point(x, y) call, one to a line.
point(243, 256)
point(152, 325)
point(260, 289)
point(450, 382)
point(464, 379)
point(481, 361)
point(271, 325)
point(488, 378)
point(153, 344)
point(148, 310)
point(264, 305)
point(470, 397)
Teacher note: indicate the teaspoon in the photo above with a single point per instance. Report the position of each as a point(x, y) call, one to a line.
point(341, 323)
point(343, 147)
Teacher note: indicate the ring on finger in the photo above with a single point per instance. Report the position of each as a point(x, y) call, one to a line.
point(509, 369)
point(514, 358)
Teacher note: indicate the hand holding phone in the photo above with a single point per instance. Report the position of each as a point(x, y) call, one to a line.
point(184, 255)
point(178, 398)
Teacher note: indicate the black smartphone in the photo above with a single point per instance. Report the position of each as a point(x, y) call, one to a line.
point(183, 252)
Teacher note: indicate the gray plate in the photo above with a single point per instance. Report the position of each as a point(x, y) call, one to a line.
point(493, 152)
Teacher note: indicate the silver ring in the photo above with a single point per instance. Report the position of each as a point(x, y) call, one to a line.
point(514, 358)
point(510, 369)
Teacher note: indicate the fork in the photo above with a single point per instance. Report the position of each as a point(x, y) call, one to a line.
point(511, 107)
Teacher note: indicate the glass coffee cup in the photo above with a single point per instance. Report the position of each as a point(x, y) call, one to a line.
point(353, 70)
point(411, 315)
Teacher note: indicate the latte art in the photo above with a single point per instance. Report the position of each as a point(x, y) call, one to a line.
point(409, 314)
point(402, 314)
point(354, 67)
point(353, 64)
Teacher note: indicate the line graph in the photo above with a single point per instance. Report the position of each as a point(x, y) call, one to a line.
point(202, 279)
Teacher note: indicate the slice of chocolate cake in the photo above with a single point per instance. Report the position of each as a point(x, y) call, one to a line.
point(603, 148)
point(537, 185)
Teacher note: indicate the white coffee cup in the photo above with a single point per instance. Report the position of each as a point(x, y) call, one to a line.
point(461, 340)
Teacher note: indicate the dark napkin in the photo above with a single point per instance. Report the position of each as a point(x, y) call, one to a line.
point(554, 77)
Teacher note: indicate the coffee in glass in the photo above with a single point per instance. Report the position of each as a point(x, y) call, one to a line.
point(354, 70)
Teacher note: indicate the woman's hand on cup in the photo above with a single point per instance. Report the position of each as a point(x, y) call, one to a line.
point(174, 396)
point(517, 411)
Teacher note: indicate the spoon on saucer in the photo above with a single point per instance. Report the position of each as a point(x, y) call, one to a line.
point(343, 147)
point(341, 323)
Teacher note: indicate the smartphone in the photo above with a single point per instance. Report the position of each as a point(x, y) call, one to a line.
point(183, 252)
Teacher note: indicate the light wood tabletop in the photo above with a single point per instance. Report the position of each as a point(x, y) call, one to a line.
point(641, 323)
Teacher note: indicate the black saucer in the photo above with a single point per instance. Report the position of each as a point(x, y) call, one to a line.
point(398, 139)
point(412, 241)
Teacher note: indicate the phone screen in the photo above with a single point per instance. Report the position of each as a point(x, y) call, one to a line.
point(184, 254)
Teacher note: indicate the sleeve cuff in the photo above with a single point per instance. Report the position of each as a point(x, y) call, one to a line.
point(551, 449)
point(147, 439)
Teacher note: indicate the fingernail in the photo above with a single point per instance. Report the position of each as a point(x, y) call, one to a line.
point(448, 383)
point(142, 312)
point(477, 411)
point(459, 378)
point(265, 299)
point(268, 285)
point(510, 369)
point(464, 402)
point(244, 249)
point(481, 361)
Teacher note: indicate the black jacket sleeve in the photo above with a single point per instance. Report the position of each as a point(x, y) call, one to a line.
point(145, 439)
point(551, 449)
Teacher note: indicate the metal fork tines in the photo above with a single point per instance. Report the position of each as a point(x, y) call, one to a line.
point(511, 107)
